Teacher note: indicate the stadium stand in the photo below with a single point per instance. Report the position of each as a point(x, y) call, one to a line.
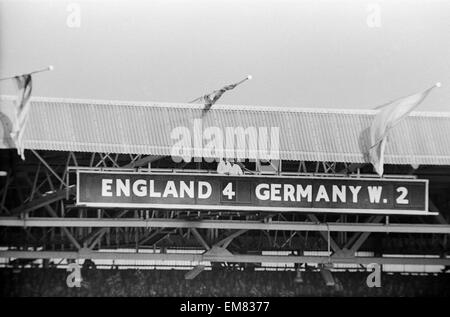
point(52, 282)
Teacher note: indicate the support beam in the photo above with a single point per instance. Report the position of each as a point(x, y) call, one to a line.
point(325, 234)
point(194, 272)
point(48, 167)
point(356, 243)
point(240, 258)
point(352, 168)
point(101, 232)
point(440, 219)
point(64, 229)
point(4, 192)
point(200, 238)
point(43, 201)
point(223, 224)
point(143, 161)
point(155, 236)
point(86, 240)
point(226, 241)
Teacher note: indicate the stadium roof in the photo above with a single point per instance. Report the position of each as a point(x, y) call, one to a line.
point(145, 128)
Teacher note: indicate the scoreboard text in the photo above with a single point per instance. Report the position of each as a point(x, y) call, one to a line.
point(251, 192)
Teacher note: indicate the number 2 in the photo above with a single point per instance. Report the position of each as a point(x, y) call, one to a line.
point(401, 199)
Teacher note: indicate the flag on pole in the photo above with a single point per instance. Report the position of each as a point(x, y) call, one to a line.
point(388, 116)
point(211, 98)
point(24, 84)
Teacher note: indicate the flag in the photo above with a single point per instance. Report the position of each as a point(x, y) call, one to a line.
point(388, 116)
point(211, 98)
point(24, 84)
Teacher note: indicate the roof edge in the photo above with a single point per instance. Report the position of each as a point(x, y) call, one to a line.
point(220, 106)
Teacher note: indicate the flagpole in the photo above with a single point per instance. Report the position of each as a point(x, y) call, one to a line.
point(237, 84)
point(438, 85)
point(48, 68)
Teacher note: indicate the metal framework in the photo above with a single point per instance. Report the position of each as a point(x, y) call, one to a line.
point(39, 221)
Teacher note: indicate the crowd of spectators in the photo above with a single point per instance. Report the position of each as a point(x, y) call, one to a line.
point(127, 282)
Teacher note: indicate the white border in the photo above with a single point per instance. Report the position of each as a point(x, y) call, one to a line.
point(89, 171)
point(386, 212)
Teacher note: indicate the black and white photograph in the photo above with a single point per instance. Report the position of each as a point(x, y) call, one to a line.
point(222, 156)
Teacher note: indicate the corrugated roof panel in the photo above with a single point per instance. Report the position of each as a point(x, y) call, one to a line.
point(305, 134)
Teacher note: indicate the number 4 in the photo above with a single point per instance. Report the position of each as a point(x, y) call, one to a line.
point(228, 191)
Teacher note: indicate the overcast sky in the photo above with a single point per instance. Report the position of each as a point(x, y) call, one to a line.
point(328, 54)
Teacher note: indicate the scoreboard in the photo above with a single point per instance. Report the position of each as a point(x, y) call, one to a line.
point(197, 191)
